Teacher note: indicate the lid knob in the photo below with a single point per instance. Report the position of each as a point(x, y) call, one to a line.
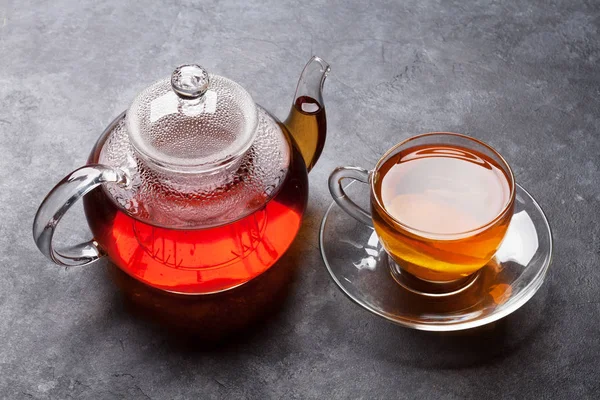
point(190, 81)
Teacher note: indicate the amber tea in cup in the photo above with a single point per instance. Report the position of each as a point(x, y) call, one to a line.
point(440, 204)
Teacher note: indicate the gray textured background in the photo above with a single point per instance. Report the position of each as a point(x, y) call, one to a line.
point(522, 75)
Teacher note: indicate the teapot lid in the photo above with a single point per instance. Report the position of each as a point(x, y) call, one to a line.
point(193, 121)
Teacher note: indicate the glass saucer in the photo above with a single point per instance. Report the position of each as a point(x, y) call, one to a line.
point(363, 271)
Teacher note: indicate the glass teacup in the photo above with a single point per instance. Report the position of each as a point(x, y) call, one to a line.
point(440, 204)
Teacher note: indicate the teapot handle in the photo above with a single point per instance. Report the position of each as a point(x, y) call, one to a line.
point(72, 188)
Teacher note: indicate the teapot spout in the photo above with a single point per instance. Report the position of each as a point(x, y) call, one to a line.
point(306, 122)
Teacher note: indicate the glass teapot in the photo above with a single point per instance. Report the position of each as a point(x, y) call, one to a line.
point(194, 189)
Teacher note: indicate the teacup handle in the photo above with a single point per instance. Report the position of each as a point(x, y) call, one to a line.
point(72, 188)
point(340, 196)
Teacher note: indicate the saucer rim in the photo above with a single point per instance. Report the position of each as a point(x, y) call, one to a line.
point(525, 294)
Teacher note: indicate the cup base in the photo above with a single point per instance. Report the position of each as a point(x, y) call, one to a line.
point(429, 288)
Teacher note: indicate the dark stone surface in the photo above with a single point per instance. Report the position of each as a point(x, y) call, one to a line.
point(522, 75)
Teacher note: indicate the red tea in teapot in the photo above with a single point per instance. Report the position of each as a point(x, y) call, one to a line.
point(201, 260)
